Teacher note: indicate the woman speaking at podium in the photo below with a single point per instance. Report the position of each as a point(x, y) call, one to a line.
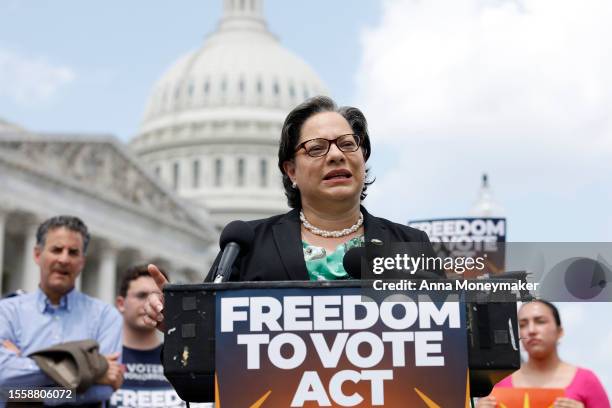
point(540, 330)
point(322, 157)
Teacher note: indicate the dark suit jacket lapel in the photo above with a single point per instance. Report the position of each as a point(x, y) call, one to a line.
point(374, 229)
point(287, 236)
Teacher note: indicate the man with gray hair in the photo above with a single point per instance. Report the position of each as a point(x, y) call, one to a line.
point(57, 313)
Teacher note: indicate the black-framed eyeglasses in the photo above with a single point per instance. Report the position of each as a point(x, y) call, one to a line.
point(320, 147)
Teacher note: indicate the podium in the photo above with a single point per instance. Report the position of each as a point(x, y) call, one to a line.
point(331, 343)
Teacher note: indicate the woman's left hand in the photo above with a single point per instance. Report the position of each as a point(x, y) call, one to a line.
point(567, 403)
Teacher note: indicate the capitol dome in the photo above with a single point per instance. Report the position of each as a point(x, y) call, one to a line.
point(212, 123)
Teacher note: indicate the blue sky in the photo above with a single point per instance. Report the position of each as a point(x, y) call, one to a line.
point(521, 89)
point(116, 50)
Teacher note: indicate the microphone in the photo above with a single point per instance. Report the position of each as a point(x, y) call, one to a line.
point(352, 261)
point(236, 237)
point(352, 258)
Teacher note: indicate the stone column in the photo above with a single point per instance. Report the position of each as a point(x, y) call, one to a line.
point(106, 278)
point(30, 277)
point(2, 232)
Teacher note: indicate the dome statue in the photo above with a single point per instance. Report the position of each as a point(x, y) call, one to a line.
point(212, 122)
point(486, 205)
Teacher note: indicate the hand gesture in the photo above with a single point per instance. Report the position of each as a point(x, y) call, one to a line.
point(114, 373)
point(154, 305)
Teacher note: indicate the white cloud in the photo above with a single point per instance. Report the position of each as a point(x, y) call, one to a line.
point(29, 80)
point(521, 88)
point(482, 65)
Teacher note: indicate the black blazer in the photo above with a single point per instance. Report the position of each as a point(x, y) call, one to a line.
point(277, 252)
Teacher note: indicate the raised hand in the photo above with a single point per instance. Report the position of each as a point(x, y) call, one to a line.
point(114, 373)
point(154, 305)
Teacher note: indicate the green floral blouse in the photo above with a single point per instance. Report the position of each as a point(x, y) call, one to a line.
point(328, 266)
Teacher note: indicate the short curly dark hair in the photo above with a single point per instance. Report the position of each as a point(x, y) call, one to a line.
point(290, 134)
point(133, 273)
point(62, 221)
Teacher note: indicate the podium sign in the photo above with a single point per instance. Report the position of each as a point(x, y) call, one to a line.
point(527, 397)
point(333, 346)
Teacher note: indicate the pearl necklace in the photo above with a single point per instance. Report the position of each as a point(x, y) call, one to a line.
point(333, 234)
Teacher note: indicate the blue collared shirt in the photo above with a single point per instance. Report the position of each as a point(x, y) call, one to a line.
point(32, 323)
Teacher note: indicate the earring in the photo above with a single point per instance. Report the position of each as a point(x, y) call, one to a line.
point(294, 185)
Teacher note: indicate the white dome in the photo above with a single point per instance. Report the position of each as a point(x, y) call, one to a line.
point(231, 70)
point(227, 101)
point(241, 65)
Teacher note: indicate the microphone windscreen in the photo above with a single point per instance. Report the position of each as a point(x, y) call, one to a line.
point(352, 261)
point(239, 232)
